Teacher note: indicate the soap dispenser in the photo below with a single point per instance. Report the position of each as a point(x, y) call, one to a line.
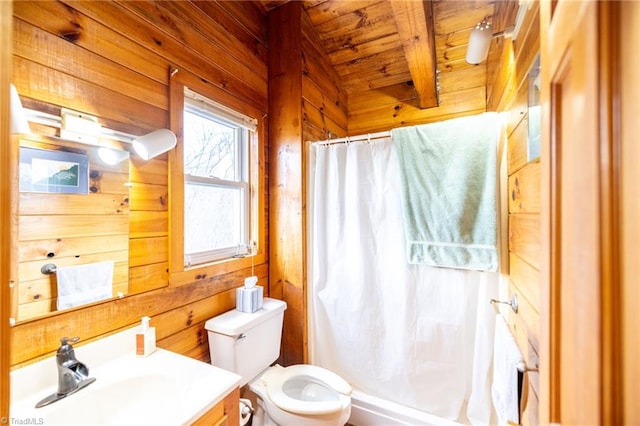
point(145, 338)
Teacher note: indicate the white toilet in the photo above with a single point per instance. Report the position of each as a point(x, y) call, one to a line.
point(299, 395)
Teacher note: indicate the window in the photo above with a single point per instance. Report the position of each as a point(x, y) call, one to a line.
point(216, 180)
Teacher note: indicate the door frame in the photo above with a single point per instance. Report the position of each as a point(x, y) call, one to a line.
point(559, 21)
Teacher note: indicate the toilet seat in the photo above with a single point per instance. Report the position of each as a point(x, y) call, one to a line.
point(306, 389)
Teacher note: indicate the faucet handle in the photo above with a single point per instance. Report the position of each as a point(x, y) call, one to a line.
point(65, 345)
point(65, 340)
point(65, 351)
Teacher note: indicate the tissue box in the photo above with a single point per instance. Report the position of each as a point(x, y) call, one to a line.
point(249, 299)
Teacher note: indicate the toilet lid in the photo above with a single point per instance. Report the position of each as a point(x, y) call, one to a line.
point(307, 389)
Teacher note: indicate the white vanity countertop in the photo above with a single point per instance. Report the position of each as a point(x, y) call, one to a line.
point(163, 388)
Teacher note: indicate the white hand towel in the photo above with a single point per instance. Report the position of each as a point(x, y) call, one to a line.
point(78, 285)
point(504, 390)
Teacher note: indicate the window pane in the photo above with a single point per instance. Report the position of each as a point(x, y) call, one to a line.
point(211, 147)
point(213, 217)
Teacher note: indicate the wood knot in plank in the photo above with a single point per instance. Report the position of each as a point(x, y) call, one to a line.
point(364, 18)
point(71, 36)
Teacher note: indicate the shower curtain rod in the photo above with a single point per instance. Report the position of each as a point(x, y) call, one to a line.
point(368, 137)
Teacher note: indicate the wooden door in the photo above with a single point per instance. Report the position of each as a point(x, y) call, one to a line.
point(580, 231)
point(629, 155)
point(575, 228)
point(8, 162)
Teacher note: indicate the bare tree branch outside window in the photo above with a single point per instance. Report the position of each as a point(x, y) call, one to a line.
point(214, 213)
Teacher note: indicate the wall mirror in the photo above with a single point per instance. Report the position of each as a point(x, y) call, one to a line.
point(73, 209)
point(534, 111)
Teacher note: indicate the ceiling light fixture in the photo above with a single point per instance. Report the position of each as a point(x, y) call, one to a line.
point(479, 42)
point(154, 143)
point(481, 35)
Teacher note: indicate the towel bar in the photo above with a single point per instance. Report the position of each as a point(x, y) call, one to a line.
point(513, 302)
point(49, 268)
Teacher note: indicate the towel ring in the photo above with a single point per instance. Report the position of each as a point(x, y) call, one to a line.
point(513, 302)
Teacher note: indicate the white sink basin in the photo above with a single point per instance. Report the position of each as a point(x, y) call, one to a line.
point(137, 401)
point(162, 389)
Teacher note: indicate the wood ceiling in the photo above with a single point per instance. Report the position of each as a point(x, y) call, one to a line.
point(374, 45)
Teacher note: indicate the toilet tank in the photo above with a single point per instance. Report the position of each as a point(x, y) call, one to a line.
point(246, 343)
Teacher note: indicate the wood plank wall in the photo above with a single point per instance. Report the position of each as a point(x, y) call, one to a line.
point(306, 104)
point(509, 64)
point(324, 101)
point(112, 60)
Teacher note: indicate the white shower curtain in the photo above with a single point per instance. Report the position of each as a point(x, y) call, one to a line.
point(413, 334)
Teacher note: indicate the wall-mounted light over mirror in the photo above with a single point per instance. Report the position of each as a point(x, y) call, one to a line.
point(80, 127)
point(85, 128)
point(19, 123)
point(154, 143)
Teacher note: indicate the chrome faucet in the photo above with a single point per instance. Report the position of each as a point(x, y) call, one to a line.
point(72, 374)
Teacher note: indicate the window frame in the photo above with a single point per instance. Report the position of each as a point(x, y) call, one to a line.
point(243, 125)
point(179, 274)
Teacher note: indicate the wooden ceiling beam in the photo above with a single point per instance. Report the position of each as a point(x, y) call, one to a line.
point(414, 20)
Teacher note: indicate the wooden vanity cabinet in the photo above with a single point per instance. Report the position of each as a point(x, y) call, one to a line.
point(225, 413)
